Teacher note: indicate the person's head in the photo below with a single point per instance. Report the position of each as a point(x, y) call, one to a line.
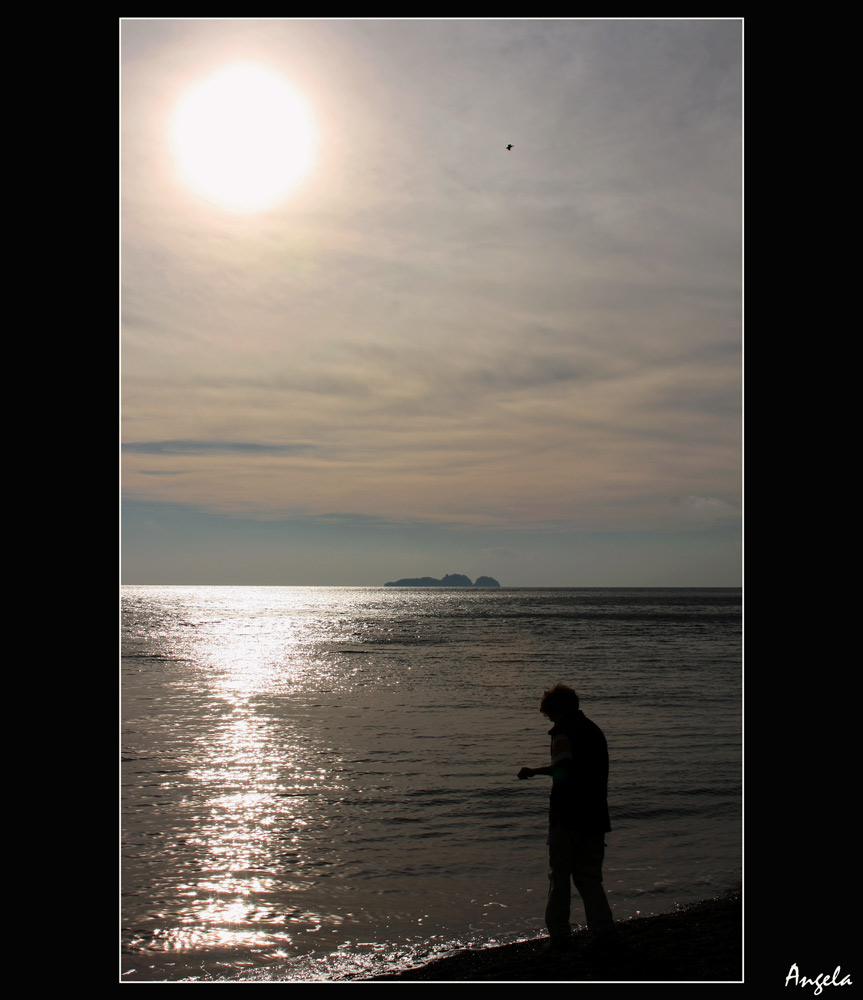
point(558, 702)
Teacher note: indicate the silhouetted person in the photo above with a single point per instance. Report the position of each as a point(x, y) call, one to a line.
point(577, 818)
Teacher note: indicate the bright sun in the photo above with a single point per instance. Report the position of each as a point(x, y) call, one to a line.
point(243, 137)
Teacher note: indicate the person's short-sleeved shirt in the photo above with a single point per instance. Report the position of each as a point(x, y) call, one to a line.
point(579, 760)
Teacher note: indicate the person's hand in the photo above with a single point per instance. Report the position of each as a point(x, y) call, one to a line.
point(525, 772)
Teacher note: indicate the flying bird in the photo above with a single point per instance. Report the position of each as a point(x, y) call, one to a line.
point(509, 146)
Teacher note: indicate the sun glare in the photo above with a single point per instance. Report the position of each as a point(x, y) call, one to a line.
point(243, 137)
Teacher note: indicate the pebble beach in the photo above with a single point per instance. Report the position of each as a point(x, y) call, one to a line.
point(698, 943)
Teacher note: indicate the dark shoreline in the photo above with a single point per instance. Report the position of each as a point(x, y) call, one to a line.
point(698, 943)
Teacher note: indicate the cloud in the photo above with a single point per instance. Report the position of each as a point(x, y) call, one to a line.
point(210, 448)
point(709, 509)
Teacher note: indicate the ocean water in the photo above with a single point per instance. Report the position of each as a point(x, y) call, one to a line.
point(320, 783)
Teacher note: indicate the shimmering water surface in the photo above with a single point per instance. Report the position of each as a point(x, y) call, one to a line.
point(321, 782)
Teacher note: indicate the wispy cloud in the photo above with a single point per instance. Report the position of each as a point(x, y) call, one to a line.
point(210, 448)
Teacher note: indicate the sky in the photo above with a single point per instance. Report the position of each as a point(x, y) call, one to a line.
point(433, 354)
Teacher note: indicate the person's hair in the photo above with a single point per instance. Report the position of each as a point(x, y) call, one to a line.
point(559, 699)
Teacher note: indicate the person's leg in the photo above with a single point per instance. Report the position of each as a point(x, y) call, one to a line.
point(559, 872)
point(588, 854)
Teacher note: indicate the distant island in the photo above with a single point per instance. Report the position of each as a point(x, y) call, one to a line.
point(450, 580)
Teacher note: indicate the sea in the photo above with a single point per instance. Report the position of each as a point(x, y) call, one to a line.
point(319, 783)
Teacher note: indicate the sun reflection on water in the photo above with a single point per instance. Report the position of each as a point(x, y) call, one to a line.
point(253, 788)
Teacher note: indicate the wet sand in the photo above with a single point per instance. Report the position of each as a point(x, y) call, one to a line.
point(698, 943)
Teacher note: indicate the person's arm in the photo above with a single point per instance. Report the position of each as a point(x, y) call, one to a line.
point(560, 764)
point(529, 772)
